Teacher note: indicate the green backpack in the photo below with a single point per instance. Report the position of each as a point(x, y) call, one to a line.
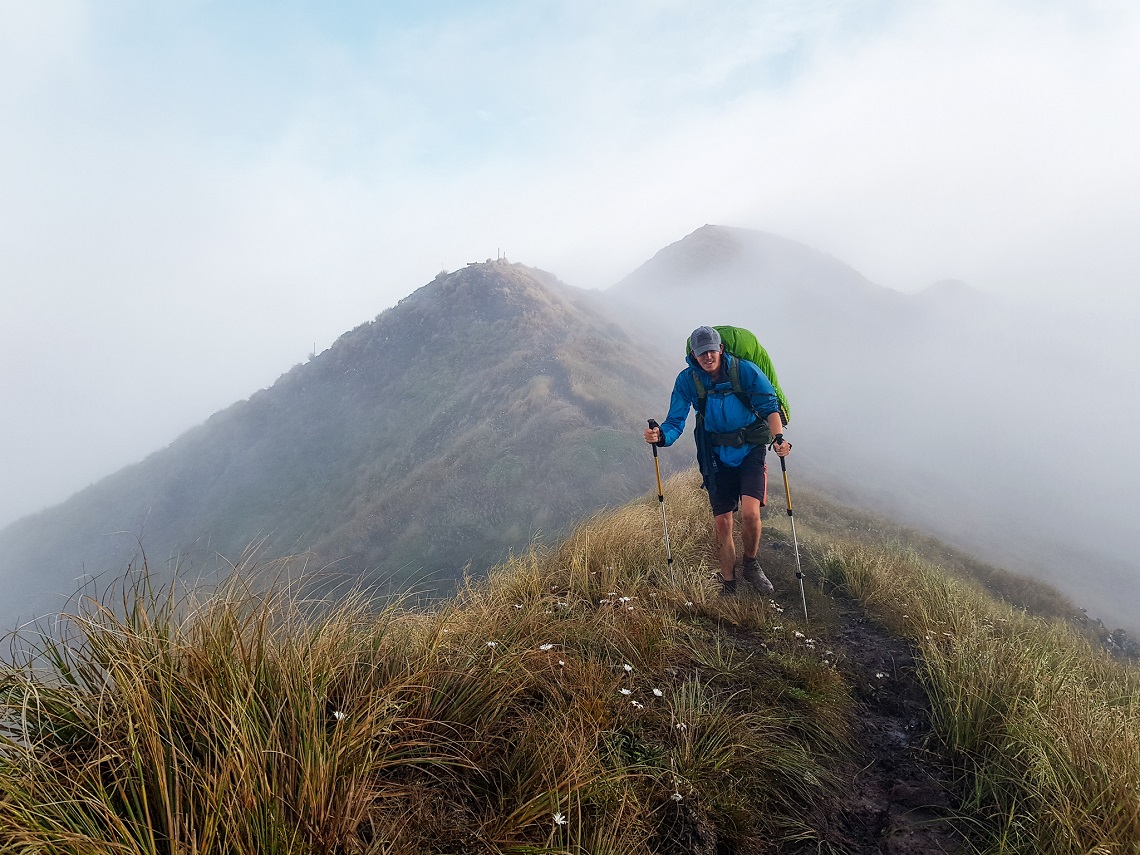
point(744, 345)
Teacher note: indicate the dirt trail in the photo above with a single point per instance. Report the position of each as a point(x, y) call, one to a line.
point(898, 799)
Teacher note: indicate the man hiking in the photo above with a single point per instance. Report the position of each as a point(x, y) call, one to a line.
point(735, 423)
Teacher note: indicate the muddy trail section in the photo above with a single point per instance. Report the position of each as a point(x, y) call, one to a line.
point(897, 796)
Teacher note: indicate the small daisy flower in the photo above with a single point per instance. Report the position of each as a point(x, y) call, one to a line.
point(559, 819)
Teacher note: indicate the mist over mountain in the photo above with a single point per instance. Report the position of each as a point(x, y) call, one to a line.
point(941, 408)
point(486, 404)
point(496, 402)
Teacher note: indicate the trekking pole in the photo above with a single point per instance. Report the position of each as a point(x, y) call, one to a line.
point(661, 499)
point(795, 540)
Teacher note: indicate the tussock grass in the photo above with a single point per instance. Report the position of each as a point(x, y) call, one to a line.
point(584, 698)
point(1045, 727)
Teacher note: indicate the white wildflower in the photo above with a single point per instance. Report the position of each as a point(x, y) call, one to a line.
point(799, 634)
point(681, 726)
point(518, 605)
point(559, 819)
point(561, 661)
point(638, 705)
point(339, 716)
point(492, 644)
point(689, 603)
point(880, 674)
point(627, 667)
point(658, 693)
point(546, 647)
point(625, 691)
point(624, 599)
point(676, 797)
point(630, 608)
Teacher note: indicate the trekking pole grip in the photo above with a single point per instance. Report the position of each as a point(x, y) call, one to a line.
point(654, 426)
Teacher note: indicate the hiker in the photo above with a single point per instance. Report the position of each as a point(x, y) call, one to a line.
point(734, 428)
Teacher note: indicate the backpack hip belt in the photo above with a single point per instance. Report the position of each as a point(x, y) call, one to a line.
point(756, 433)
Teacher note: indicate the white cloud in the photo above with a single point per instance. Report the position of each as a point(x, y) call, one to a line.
point(189, 203)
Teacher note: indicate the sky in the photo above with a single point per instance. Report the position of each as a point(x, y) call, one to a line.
point(194, 196)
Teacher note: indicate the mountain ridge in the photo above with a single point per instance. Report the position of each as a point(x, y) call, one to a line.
point(448, 403)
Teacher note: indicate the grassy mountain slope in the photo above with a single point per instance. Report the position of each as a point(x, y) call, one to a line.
point(581, 699)
point(492, 400)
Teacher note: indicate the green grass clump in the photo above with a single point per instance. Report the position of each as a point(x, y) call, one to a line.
point(1046, 728)
point(584, 698)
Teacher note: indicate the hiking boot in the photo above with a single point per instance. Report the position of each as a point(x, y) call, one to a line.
point(728, 587)
point(755, 577)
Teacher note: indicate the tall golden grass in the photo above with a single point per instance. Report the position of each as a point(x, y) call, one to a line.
point(585, 698)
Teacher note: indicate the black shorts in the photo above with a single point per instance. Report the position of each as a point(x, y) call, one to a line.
point(750, 478)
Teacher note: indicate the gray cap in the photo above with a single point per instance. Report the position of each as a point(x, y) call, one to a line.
point(703, 340)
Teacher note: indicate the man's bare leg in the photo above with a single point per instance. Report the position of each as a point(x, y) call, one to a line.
point(726, 549)
point(750, 525)
point(750, 536)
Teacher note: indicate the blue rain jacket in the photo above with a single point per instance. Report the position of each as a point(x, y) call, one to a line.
point(724, 412)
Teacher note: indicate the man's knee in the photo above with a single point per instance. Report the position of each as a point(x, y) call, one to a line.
point(723, 525)
point(750, 512)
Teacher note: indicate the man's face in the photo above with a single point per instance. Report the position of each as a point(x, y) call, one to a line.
point(710, 361)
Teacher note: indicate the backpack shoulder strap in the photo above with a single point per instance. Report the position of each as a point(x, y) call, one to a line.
point(702, 392)
point(738, 388)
